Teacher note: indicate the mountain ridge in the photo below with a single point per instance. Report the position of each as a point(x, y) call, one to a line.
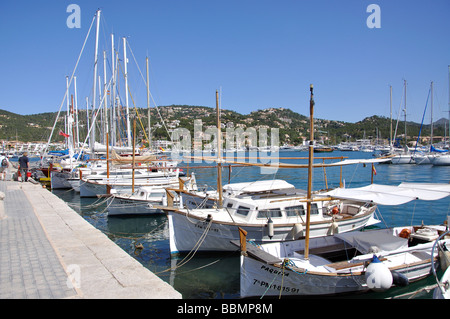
point(293, 127)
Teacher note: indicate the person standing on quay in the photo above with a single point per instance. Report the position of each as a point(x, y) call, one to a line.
point(4, 166)
point(24, 165)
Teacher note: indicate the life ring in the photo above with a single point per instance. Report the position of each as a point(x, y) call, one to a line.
point(404, 233)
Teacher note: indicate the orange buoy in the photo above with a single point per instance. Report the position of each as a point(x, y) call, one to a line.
point(405, 233)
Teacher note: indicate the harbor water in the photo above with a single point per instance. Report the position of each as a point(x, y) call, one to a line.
point(216, 276)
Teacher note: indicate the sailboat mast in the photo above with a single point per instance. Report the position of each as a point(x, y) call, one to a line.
point(431, 133)
point(390, 103)
point(406, 142)
point(105, 97)
point(66, 128)
point(310, 168)
point(113, 94)
point(219, 154)
point(76, 111)
point(87, 113)
point(449, 104)
point(125, 62)
point(148, 107)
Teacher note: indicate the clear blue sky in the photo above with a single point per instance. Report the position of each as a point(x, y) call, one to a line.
point(261, 53)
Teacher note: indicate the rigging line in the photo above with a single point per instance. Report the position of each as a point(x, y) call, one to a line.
point(193, 251)
point(70, 82)
point(134, 104)
point(93, 121)
point(198, 268)
point(421, 124)
point(137, 112)
point(398, 117)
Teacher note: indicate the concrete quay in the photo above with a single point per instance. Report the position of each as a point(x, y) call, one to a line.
point(48, 251)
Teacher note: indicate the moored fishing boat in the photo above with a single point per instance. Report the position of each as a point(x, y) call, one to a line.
point(96, 187)
point(382, 258)
point(145, 199)
point(268, 214)
point(339, 263)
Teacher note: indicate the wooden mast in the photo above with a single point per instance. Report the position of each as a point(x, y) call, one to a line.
point(310, 167)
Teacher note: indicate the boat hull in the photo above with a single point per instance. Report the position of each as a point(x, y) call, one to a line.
point(59, 180)
point(123, 206)
point(88, 189)
point(402, 159)
point(75, 183)
point(440, 160)
point(187, 231)
point(260, 279)
point(97, 188)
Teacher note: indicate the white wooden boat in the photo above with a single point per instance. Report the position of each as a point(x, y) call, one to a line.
point(267, 214)
point(339, 263)
point(326, 271)
point(95, 188)
point(66, 177)
point(98, 184)
point(59, 179)
point(194, 199)
point(145, 199)
point(382, 258)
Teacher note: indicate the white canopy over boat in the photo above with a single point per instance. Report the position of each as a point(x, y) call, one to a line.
point(392, 195)
point(259, 186)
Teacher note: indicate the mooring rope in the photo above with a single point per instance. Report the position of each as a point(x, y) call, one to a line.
point(193, 251)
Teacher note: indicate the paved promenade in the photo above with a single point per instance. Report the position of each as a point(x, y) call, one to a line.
point(48, 251)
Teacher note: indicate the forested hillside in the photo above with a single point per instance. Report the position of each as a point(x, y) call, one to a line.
point(293, 127)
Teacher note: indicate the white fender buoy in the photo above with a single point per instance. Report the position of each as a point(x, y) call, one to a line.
point(297, 231)
point(334, 228)
point(270, 228)
point(378, 276)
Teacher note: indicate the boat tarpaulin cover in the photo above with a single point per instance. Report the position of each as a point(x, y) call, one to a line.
point(392, 195)
point(366, 240)
point(258, 186)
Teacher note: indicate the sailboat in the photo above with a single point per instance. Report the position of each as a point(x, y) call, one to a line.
point(345, 262)
point(145, 200)
point(422, 157)
point(442, 159)
point(402, 155)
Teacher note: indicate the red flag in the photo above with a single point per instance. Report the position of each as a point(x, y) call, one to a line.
point(374, 170)
point(63, 134)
